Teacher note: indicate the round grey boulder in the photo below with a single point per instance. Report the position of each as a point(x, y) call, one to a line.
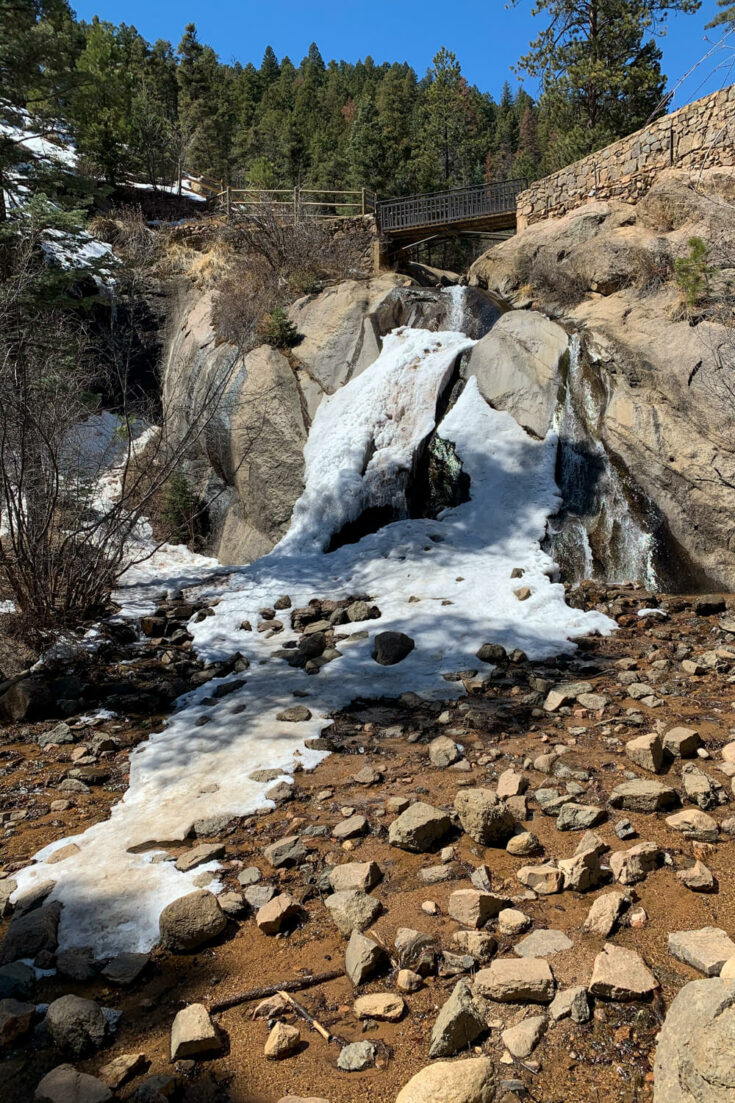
point(76, 1025)
point(191, 921)
point(390, 648)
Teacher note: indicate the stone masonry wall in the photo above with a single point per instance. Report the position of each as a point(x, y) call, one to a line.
point(702, 133)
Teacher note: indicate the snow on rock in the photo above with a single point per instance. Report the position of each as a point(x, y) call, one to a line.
point(362, 443)
point(359, 451)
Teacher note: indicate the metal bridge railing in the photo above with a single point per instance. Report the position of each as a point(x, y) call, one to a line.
point(299, 202)
point(440, 208)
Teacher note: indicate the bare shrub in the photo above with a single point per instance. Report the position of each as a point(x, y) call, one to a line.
point(74, 494)
point(555, 280)
point(280, 256)
point(652, 270)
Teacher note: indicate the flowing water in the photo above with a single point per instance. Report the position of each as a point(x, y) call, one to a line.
point(595, 534)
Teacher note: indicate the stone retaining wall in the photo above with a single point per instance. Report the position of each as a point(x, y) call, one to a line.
point(702, 133)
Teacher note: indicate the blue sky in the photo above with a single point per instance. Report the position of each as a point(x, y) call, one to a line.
point(486, 36)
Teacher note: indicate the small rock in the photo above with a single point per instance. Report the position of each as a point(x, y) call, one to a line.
point(408, 981)
point(191, 921)
point(484, 817)
point(205, 852)
point(296, 714)
point(459, 1022)
point(706, 949)
point(465, 1081)
point(282, 1041)
point(351, 828)
point(125, 968)
point(357, 1055)
point(492, 653)
point(646, 751)
point(363, 958)
point(631, 866)
point(479, 944)
point(249, 876)
point(522, 1039)
point(694, 824)
point(15, 1021)
point(643, 796)
point(698, 878)
point(122, 1068)
point(382, 1006)
point(572, 1003)
point(472, 908)
point(285, 852)
point(543, 879)
point(682, 742)
point(31, 934)
point(523, 845)
point(511, 921)
point(443, 751)
point(277, 914)
point(76, 1025)
point(621, 974)
point(511, 784)
point(419, 827)
point(543, 943)
point(193, 1033)
point(516, 980)
point(361, 876)
point(352, 910)
point(603, 916)
point(578, 817)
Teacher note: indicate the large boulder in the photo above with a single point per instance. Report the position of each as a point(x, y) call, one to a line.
point(76, 1025)
point(32, 933)
point(254, 447)
point(518, 367)
point(191, 921)
point(65, 1084)
point(467, 1081)
point(694, 1055)
point(419, 827)
point(340, 332)
point(606, 269)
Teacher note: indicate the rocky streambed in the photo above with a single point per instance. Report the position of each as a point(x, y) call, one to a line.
point(503, 895)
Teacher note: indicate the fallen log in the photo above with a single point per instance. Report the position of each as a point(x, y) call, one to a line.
point(297, 985)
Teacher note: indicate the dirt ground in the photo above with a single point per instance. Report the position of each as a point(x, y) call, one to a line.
point(610, 1058)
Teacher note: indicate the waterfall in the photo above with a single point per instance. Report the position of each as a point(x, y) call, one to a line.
point(595, 534)
point(455, 316)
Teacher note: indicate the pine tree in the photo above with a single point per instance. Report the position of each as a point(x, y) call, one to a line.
point(600, 70)
point(39, 42)
point(726, 16)
point(366, 149)
point(270, 70)
point(450, 134)
point(101, 112)
point(206, 93)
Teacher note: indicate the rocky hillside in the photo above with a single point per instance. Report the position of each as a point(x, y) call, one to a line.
point(656, 380)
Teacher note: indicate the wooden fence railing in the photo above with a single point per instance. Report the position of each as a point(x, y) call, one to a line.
point(440, 208)
point(314, 202)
